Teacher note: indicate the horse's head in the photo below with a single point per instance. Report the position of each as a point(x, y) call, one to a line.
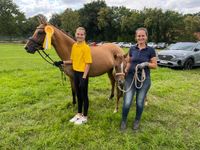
point(36, 41)
point(119, 69)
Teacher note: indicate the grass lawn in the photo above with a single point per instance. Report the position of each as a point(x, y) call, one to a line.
point(35, 109)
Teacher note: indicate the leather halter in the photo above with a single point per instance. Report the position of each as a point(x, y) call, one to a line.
point(121, 69)
point(36, 42)
point(39, 47)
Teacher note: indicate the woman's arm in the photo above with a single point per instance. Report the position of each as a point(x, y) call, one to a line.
point(67, 62)
point(128, 64)
point(153, 63)
point(87, 68)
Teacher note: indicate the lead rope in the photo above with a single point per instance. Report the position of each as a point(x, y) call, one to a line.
point(136, 78)
point(52, 62)
point(63, 77)
point(143, 77)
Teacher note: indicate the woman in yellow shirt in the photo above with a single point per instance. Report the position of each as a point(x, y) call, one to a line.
point(81, 59)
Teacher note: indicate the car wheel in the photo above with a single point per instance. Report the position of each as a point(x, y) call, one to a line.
point(188, 64)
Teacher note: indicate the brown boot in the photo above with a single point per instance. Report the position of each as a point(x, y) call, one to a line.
point(123, 126)
point(136, 124)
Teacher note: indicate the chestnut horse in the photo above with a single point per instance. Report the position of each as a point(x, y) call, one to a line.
point(103, 56)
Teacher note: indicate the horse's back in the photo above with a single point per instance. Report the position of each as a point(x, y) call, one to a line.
point(103, 58)
point(107, 48)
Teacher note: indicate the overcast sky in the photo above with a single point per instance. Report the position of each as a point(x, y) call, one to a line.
point(48, 7)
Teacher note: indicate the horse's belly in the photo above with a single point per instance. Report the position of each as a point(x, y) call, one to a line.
point(94, 73)
point(103, 59)
point(99, 69)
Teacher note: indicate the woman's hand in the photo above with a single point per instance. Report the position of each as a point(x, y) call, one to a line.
point(143, 65)
point(58, 63)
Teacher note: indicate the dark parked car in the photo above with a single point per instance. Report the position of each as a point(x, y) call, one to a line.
point(182, 54)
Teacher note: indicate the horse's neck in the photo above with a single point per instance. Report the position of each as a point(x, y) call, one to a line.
point(62, 44)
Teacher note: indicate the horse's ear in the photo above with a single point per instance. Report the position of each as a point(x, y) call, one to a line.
point(39, 20)
point(126, 58)
point(125, 55)
point(42, 19)
point(115, 56)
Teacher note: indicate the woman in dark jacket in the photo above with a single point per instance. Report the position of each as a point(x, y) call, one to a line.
point(142, 58)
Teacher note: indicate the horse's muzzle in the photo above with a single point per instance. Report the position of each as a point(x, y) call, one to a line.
point(29, 50)
point(121, 82)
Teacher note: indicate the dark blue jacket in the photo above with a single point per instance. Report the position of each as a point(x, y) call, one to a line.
point(139, 56)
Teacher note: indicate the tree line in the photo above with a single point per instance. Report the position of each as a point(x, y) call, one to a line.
point(104, 23)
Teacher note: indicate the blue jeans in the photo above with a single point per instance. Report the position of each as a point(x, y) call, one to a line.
point(140, 97)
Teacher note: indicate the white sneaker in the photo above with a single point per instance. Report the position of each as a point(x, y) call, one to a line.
point(80, 121)
point(75, 118)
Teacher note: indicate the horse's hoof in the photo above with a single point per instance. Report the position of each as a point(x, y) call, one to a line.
point(115, 111)
point(110, 98)
point(68, 105)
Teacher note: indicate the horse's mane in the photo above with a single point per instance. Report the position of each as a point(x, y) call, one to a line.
point(63, 31)
point(67, 34)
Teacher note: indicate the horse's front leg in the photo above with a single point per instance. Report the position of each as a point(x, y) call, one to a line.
point(119, 95)
point(73, 91)
point(112, 81)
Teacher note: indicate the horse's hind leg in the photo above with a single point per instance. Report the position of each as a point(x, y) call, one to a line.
point(112, 81)
point(119, 95)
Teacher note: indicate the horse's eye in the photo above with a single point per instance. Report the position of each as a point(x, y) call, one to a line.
point(40, 32)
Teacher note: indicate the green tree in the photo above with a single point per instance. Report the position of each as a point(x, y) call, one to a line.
point(70, 20)
point(12, 20)
point(108, 23)
point(112, 21)
point(122, 14)
point(167, 26)
point(129, 24)
point(105, 17)
point(153, 19)
point(173, 26)
point(192, 25)
point(56, 20)
point(88, 18)
point(31, 24)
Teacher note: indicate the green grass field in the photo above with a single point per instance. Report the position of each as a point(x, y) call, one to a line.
point(35, 109)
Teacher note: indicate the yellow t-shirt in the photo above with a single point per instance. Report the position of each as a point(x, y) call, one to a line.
point(80, 56)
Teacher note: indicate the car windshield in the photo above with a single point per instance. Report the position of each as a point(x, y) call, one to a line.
point(181, 46)
point(161, 43)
